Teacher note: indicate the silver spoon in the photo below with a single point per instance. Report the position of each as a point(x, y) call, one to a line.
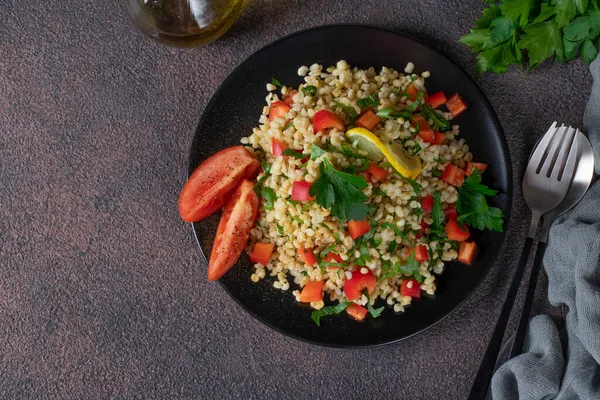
point(582, 178)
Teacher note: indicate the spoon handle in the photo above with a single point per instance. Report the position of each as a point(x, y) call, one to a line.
point(517, 345)
point(486, 368)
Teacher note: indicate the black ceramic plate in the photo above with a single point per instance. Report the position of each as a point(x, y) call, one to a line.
point(235, 109)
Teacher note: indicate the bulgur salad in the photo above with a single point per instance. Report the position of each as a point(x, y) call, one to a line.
point(355, 189)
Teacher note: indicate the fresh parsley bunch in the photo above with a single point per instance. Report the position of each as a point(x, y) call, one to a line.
point(537, 29)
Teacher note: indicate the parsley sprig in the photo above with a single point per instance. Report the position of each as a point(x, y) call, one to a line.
point(472, 205)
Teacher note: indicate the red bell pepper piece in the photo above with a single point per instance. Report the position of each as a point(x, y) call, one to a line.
point(453, 175)
point(325, 119)
point(300, 191)
point(307, 255)
point(354, 286)
point(436, 99)
point(470, 165)
point(357, 311)
point(262, 252)
point(410, 287)
point(467, 252)
point(358, 228)
point(456, 105)
point(278, 109)
point(377, 172)
point(456, 231)
point(367, 120)
point(427, 204)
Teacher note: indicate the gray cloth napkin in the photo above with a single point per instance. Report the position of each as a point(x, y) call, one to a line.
point(566, 364)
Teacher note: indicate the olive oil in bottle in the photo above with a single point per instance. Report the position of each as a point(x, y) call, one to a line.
point(184, 23)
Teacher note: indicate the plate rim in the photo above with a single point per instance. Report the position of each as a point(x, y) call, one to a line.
point(504, 150)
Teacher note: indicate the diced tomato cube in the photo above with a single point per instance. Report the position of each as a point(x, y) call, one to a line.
point(357, 311)
point(467, 252)
point(289, 97)
point(278, 110)
point(262, 252)
point(425, 131)
point(456, 105)
point(412, 91)
point(456, 231)
point(423, 229)
point(421, 253)
point(300, 191)
point(451, 213)
point(470, 165)
point(277, 147)
point(367, 120)
point(354, 286)
point(307, 255)
point(358, 228)
point(439, 137)
point(410, 287)
point(377, 172)
point(333, 258)
point(453, 175)
point(436, 99)
point(313, 291)
point(427, 204)
point(325, 119)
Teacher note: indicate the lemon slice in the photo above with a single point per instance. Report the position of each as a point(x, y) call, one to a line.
point(406, 164)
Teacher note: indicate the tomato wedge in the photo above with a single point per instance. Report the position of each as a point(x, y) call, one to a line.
point(233, 232)
point(300, 191)
point(437, 99)
point(456, 231)
point(427, 204)
point(289, 97)
point(313, 291)
point(357, 312)
point(307, 255)
point(467, 252)
point(325, 119)
point(477, 165)
point(354, 286)
point(456, 105)
point(213, 182)
point(358, 228)
point(377, 172)
point(410, 287)
point(453, 175)
point(367, 120)
point(278, 110)
point(262, 252)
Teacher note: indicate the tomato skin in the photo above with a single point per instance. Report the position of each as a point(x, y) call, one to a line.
point(377, 172)
point(421, 253)
point(357, 312)
point(289, 97)
point(307, 255)
point(300, 191)
point(467, 252)
point(425, 131)
point(358, 228)
point(439, 138)
point(278, 110)
point(470, 165)
point(453, 175)
point(277, 147)
point(427, 204)
point(456, 231)
point(313, 291)
point(213, 182)
point(367, 120)
point(233, 232)
point(333, 258)
point(353, 287)
point(456, 105)
point(410, 287)
point(437, 99)
point(262, 252)
point(325, 119)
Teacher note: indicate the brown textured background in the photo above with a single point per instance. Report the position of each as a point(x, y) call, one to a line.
point(102, 294)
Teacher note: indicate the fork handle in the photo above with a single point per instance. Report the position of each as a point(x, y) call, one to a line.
point(486, 368)
point(517, 345)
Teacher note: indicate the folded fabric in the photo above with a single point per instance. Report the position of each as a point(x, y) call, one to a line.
point(566, 364)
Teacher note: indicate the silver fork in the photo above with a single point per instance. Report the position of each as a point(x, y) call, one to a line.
point(546, 182)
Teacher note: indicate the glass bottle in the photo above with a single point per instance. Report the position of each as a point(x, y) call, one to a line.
point(184, 23)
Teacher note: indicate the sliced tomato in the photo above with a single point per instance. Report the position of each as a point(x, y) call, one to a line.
point(233, 231)
point(277, 147)
point(313, 291)
point(477, 165)
point(278, 110)
point(354, 286)
point(307, 255)
point(213, 182)
point(451, 213)
point(421, 253)
point(436, 99)
point(333, 258)
point(378, 172)
point(427, 204)
point(262, 252)
point(467, 252)
point(289, 97)
point(358, 228)
point(425, 131)
point(367, 120)
point(456, 231)
point(300, 191)
point(456, 105)
point(325, 119)
point(410, 287)
point(423, 229)
point(357, 312)
point(453, 175)
point(440, 138)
